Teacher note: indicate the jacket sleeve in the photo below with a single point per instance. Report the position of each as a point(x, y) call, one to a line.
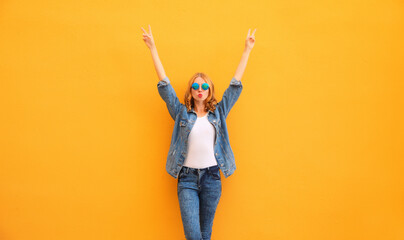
point(169, 96)
point(230, 96)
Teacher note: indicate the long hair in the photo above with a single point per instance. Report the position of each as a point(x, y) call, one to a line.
point(210, 102)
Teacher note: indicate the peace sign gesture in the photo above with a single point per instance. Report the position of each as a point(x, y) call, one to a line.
point(148, 38)
point(249, 42)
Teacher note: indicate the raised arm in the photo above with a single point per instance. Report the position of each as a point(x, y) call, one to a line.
point(233, 91)
point(164, 87)
point(249, 44)
point(149, 40)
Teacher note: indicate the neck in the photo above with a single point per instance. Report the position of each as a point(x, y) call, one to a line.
point(199, 106)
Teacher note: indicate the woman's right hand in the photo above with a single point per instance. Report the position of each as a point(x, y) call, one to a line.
point(148, 38)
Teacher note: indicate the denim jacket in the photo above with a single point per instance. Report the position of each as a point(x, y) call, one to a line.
point(185, 120)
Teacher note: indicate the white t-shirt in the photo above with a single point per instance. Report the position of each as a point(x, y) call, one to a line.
point(201, 142)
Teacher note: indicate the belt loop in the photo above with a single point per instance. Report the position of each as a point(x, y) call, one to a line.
point(186, 170)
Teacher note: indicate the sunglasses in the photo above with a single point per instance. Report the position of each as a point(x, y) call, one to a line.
point(205, 86)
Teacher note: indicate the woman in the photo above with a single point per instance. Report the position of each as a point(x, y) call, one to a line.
point(200, 145)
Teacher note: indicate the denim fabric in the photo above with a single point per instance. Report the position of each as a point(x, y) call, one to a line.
point(185, 120)
point(199, 191)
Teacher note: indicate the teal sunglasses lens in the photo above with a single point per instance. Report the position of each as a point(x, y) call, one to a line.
point(195, 86)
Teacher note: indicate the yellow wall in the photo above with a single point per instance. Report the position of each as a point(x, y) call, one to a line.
point(317, 131)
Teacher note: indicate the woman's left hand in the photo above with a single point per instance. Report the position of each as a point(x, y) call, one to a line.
point(249, 42)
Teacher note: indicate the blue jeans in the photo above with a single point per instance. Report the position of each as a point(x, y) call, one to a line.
point(199, 191)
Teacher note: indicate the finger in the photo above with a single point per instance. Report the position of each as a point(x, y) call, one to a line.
point(143, 30)
point(248, 34)
point(254, 32)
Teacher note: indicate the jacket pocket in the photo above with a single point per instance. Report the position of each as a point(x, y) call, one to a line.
point(183, 123)
point(216, 122)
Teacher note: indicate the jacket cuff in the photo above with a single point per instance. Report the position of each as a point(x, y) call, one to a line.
point(163, 82)
point(235, 82)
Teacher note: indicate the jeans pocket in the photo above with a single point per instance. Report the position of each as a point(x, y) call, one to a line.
point(215, 174)
point(180, 174)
